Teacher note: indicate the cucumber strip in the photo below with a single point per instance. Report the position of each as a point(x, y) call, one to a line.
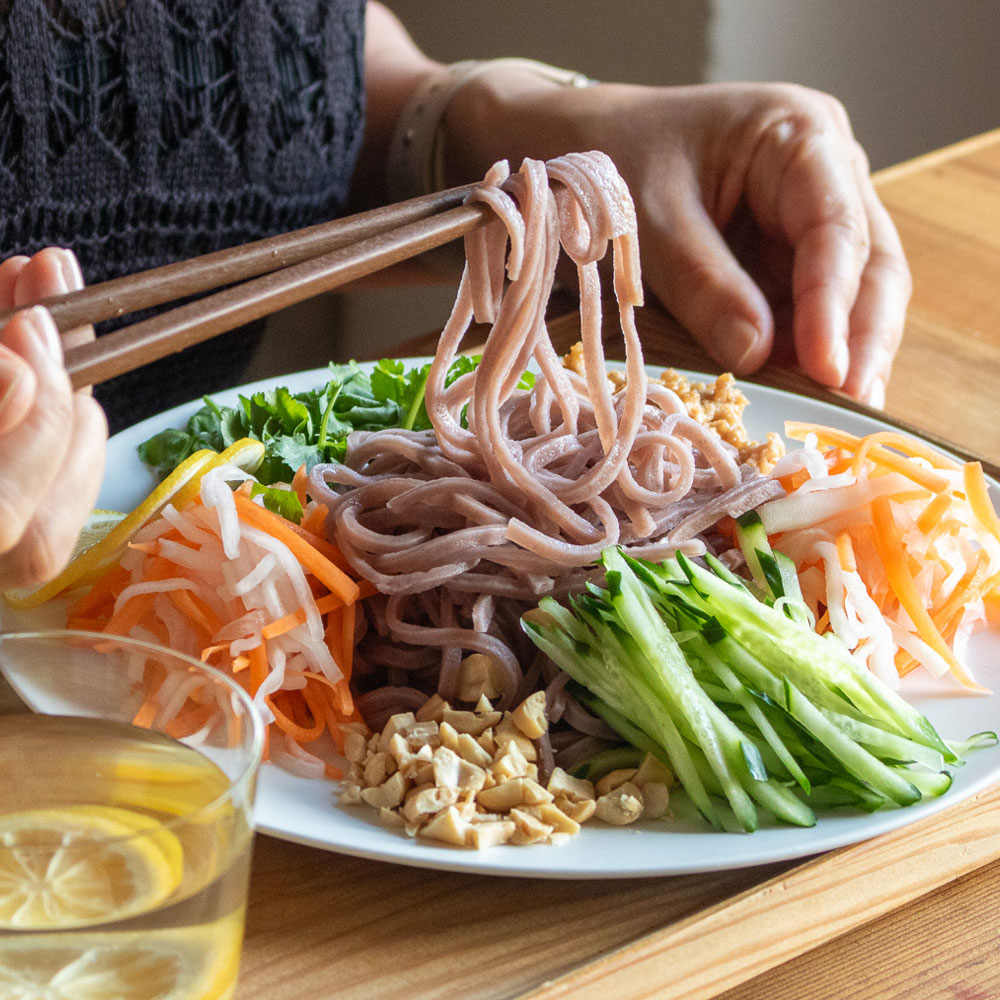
point(604, 761)
point(886, 744)
point(596, 667)
point(976, 741)
point(855, 758)
point(707, 655)
point(718, 739)
point(840, 794)
point(932, 784)
point(805, 657)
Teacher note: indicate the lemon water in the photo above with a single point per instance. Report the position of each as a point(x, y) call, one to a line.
point(123, 864)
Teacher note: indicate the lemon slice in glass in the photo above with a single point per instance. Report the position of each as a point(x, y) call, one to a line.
point(71, 866)
point(187, 963)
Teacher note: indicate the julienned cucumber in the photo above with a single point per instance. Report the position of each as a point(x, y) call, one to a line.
point(726, 681)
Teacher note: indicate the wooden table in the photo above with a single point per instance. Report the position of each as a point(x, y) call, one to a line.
point(324, 926)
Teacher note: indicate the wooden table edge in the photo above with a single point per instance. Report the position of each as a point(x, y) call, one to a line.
point(792, 913)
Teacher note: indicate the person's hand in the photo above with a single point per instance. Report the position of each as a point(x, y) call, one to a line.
point(759, 227)
point(52, 439)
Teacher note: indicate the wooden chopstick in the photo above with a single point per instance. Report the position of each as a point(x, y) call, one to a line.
point(141, 343)
point(146, 289)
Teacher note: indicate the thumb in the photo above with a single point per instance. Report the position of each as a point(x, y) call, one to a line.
point(694, 274)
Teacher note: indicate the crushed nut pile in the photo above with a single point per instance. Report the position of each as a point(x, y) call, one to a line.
point(718, 405)
point(471, 778)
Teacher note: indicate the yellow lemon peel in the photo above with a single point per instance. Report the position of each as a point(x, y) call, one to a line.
point(179, 488)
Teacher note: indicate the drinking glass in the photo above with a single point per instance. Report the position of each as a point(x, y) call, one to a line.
point(127, 775)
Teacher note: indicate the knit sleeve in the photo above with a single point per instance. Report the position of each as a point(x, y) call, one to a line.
point(139, 132)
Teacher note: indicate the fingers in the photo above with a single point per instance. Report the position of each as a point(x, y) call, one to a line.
point(880, 308)
point(49, 537)
point(51, 461)
point(10, 271)
point(51, 440)
point(802, 183)
point(703, 285)
point(850, 285)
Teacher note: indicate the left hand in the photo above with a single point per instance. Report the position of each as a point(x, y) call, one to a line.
point(52, 439)
point(759, 226)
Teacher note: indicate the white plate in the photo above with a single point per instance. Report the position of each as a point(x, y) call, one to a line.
point(305, 811)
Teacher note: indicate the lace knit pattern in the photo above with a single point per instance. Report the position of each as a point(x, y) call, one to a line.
point(139, 132)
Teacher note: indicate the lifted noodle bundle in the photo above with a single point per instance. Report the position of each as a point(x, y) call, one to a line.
point(518, 488)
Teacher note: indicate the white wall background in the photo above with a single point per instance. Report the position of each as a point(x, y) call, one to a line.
point(913, 74)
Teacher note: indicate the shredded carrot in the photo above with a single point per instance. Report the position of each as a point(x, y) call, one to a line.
point(905, 546)
point(313, 561)
point(845, 553)
point(258, 667)
point(282, 625)
point(314, 519)
point(283, 709)
point(894, 559)
point(299, 482)
point(320, 705)
point(930, 517)
point(979, 498)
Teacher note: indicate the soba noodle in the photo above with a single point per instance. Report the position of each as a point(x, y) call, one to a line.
point(515, 491)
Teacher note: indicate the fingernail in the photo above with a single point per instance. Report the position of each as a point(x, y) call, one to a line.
point(72, 276)
point(733, 340)
point(45, 329)
point(875, 394)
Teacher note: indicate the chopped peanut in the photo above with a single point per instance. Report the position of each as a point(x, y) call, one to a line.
point(470, 778)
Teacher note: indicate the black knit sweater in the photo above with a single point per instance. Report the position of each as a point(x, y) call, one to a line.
point(139, 132)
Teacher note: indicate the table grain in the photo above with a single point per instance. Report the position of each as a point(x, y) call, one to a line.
point(326, 926)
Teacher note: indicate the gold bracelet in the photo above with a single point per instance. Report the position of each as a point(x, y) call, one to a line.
point(415, 163)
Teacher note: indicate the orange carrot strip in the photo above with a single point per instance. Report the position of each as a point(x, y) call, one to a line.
point(314, 519)
point(845, 553)
point(890, 549)
point(299, 482)
point(931, 515)
point(258, 667)
point(908, 446)
point(978, 495)
point(188, 721)
point(876, 453)
point(101, 594)
point(346, 705)
point(199, 614)
point(315, 698)
point(312, 560)
point(287, 622)
point(288, 725)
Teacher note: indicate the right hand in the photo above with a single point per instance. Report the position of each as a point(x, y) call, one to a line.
point(52, 439)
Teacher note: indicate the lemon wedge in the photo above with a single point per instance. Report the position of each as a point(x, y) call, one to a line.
point(188, 963)
point(179, 488)
point(77, 865)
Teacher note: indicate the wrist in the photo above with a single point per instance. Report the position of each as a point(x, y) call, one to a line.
point(453, 127)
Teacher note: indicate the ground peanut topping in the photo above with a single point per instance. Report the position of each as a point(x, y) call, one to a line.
point(471, 778)
point(718, 405)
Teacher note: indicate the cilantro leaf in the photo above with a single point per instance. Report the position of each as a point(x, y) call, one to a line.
point(305, 427)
